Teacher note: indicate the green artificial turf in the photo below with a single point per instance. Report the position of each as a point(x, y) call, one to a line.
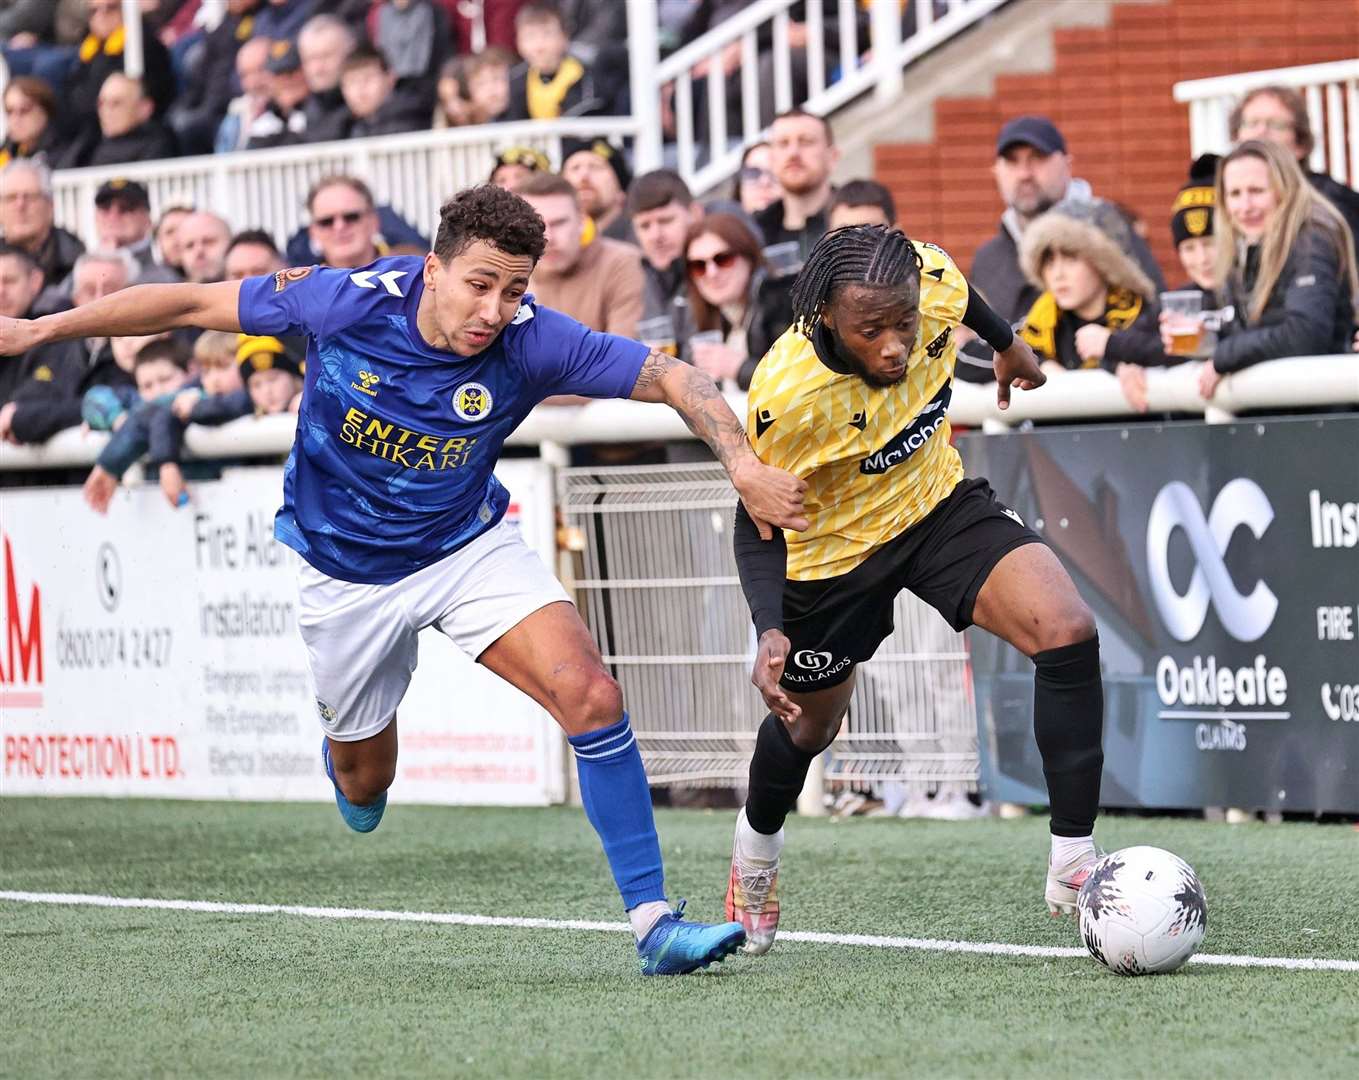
point(139, 992)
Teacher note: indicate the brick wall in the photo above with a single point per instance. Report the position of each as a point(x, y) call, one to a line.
point(1110, 93)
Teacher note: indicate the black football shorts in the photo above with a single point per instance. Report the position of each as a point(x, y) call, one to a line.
point(835, 623)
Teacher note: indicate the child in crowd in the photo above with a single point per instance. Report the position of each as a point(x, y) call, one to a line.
point(272, 373)
point(375, 105)
point(1098, 307)
point(1191, 227)
point(474, 89)
point(105, 407)
point(550, 83)
point(161, 370)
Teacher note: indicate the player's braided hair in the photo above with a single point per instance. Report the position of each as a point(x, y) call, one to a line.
point(854, 255)
point(493, 214)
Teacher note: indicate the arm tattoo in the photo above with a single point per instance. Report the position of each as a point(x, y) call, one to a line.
point(708, 416)
point(654, 368)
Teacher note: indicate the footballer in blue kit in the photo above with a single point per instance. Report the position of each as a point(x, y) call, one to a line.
point(417, 370)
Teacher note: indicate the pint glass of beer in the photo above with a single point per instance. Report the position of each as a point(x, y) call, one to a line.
point(1184, 318)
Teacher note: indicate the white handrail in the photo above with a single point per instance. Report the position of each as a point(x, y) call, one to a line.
point(414, 172)
point(1332, 93)
point(1297, 383)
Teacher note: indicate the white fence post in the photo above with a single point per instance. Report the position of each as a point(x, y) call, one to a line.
point(134, 63)
point(885, 32)
point(643, 56)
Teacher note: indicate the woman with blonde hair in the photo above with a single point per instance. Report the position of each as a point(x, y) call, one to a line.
point(1285, 258)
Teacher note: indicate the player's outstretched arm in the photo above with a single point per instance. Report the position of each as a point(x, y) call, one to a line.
point(772, 496)
point(1017, 366)
point(141, 309)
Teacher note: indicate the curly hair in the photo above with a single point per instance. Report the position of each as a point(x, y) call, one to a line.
point(854, 255)
point(489, 212)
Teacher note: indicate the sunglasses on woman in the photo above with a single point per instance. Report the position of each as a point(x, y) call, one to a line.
point(721, 261)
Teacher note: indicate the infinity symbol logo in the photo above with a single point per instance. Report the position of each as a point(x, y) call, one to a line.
point(1241, 502)
point(812, 661)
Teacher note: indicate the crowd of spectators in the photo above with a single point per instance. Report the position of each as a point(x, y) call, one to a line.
point(1268, 247)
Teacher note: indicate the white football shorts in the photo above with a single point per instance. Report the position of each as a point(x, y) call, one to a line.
point(361, 639)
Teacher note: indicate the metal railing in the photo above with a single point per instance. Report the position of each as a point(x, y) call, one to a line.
point(1332, 93)
point(768, 80)
point(656, 583)
point(415, 173)
point(1297, 383)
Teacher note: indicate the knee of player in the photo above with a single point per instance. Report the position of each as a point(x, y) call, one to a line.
point(595, 701)
point(364, 781)
point(1072, 624)
point(812, 735)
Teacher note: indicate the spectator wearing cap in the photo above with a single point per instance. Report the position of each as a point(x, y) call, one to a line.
point(600, 175)
point(550, 83)
point(861, 202)
point(662, 209)
point(272, 374)
point(595, 280)
point(252, 253)
point(30, 132)
point(473, 89)
point(1033, 173)
point(206, 96)
point(100, 55)
point(233, 132)
point(20, 285)
point(55, 377)
point(27, 222)
point(282, 20)
point(1278, 114)
point(129, 128)
point(323, 44)
point(284, 122)
point(122, 222)
point(515, 164)
point(375, 105)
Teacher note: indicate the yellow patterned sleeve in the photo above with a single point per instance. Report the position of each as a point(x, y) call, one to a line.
point(943, 289)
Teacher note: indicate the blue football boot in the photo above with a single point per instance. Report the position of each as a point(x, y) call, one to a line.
point(676, 947)
point(358, 818)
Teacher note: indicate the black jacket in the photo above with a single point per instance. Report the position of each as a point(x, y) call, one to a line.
point(81, 96)
point(1310, 311)
point(1343, 198)
point(57, 256)
point(399, 113)
point(53, 380)
point(327, 116)
point(995, 271)
point(150, 141)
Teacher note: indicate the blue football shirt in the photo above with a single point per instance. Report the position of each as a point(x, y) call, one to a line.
point(392, 465)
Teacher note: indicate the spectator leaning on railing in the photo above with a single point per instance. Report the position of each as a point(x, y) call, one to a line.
point(1278, 114)
point(30, 130)
point(725, 267)
point(662, 209)
point(1286, 260)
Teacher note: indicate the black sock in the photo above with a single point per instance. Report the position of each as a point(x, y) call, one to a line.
point(1068, 723)
point(777, 772)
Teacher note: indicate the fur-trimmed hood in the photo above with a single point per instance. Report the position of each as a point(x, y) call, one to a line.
point(1096, 231)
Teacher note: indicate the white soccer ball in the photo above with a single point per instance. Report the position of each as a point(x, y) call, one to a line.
point(1142, 911)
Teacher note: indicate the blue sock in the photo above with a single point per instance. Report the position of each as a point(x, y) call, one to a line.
point(617, 801)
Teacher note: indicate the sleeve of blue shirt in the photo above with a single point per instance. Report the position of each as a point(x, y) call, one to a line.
point(583, 361)
point(299, 300)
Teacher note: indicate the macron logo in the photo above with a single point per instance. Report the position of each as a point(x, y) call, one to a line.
point(364, 280)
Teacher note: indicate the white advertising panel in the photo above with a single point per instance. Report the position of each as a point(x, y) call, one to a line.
point(155, 652)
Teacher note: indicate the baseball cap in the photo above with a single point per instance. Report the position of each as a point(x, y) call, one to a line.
point(283, 58)
point(130, 193)
point(612, 156)
point(1036, 131)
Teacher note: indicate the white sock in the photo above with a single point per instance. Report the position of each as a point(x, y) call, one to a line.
point(643, 917)
point(1066, 849)
point(757, 847)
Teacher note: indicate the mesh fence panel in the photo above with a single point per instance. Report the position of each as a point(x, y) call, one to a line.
point(656, 583)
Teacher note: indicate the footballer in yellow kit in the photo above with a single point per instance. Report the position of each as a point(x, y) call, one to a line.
point(853, 400)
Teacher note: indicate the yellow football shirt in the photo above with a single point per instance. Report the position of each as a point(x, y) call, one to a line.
point(876, 460)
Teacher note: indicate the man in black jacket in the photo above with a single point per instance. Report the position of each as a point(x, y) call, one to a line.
point(1033, 173)
point(129, 127)
point(53, 378)
point(20, 283)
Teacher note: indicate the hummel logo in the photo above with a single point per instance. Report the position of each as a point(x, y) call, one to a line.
point(860, 421)
point(364, 280)
point(369, 379)
point(763, 422)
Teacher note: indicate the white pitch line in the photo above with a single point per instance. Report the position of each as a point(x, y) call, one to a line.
point(451, 918)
